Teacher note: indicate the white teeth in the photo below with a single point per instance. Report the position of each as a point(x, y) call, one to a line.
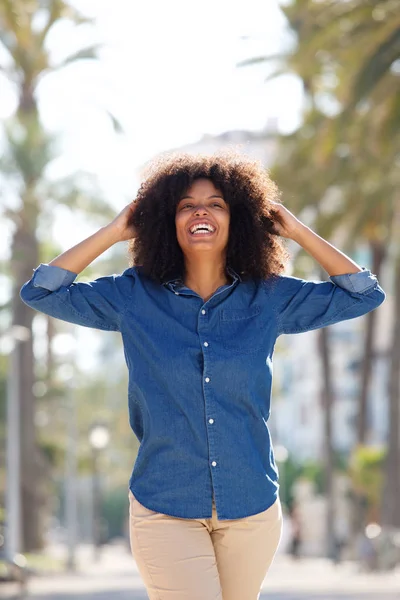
point(200, 227)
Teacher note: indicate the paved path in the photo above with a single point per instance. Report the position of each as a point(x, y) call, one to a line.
point(115, 577)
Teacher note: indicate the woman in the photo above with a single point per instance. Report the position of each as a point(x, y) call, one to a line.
point(199, 313)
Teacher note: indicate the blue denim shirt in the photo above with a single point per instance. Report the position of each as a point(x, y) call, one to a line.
point(200, 374)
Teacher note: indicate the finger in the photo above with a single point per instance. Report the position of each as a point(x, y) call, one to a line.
point(277, 216)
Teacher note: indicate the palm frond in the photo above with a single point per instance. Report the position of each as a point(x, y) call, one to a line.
point(88, 53)
point(116, 123)
point(78, 192)
point(376, 67)
point(256, 60)
point(276, 74)
point(59, 9)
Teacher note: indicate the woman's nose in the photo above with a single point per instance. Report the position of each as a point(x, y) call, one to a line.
point(200, 210)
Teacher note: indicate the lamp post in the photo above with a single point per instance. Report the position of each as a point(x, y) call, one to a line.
point(66, 345)
point(12, 339)
point(99, 438)
point(71, 504)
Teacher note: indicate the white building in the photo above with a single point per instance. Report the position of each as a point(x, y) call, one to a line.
point(260, 145)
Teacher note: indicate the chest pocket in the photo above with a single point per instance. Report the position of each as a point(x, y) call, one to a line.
point(240, 330)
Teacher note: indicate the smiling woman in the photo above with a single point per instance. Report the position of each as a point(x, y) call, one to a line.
point(202, 225)
point(199, 313)
point(230, 192)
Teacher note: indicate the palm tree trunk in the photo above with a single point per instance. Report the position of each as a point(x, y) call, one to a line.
point(24, 259)
point(378, 254)
point(50, 363)
point(327, 396)
point(358, 508)
point(391, 488)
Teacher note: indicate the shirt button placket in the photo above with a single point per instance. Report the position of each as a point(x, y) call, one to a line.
point(207, 380)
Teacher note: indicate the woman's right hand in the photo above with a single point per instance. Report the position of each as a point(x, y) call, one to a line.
point(120, 224)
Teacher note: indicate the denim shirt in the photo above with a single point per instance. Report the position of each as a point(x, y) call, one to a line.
point(200, 374)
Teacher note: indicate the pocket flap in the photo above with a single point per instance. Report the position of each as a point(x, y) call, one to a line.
point(238, 314)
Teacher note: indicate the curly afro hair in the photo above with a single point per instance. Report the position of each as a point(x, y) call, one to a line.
point(254, 250)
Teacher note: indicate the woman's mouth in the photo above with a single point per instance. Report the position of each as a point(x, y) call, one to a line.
point(202, 229)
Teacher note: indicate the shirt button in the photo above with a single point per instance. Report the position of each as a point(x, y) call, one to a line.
point(211, 421)
point(203, 312)
point(207, 379)
point(214, 464)
point(205, 344)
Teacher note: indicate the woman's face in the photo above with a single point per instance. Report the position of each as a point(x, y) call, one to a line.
point(202, 204)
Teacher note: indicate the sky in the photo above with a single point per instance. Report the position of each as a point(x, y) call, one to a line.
point(168, 72)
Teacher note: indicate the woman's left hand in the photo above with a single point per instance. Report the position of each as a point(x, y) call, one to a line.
point(285, 223)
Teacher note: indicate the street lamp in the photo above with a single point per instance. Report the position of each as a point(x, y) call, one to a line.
point(65, 345)
point(99, 438)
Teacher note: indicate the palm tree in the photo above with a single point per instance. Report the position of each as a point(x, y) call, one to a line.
point(23, 39)
point(391, 488)
point(346, 55)
point(367, 91)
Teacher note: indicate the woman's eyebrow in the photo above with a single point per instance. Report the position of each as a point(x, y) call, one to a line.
point(209, 197)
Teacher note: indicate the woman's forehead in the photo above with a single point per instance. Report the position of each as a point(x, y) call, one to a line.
point(203, 187)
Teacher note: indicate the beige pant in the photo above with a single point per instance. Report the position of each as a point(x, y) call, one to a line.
point(203, 559)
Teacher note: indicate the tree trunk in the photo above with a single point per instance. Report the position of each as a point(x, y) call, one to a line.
point(24, 259)
point(358, 507)
point(391, 488)
point(327, 396)
point(50, 362)
point(378, 254)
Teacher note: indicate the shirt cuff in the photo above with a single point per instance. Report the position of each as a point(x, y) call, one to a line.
point(51, 277)
point(356, 282)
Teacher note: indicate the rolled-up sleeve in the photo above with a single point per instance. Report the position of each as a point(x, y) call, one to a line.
point(305, 305)
point(52, 278)
point(356, 282)
point(99, 304)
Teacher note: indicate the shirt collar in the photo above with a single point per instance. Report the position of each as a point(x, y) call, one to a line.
point(177, 282)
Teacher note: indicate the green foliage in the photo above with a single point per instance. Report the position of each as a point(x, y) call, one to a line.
point(115, 508)
point(54, 452)
point(366, 469)
point(345, 55)
point(311, 470)
point(3, 385)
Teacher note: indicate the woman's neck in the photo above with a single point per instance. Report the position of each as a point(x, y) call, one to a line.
point(205, 277)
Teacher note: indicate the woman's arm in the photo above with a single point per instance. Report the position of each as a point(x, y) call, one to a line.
point(100, 303)
point(77, 258)
point(305, 305)
point(329, 257)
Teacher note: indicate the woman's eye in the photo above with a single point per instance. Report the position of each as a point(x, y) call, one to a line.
point(190, 205)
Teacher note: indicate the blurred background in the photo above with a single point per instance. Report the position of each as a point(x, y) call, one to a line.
point(89, 92)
